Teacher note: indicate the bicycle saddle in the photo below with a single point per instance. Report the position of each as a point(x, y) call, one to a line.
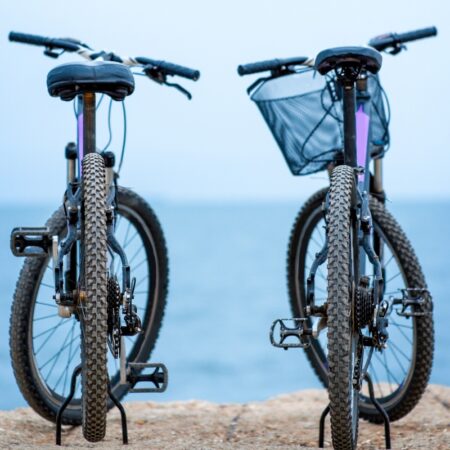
point(68, 80)
point(365, 57)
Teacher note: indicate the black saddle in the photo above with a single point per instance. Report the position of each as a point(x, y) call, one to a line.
point(363, 57)
point(110, 78)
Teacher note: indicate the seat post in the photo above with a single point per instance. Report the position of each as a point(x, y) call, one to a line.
point(89, 123)
point(348, 63)
point(349, 110)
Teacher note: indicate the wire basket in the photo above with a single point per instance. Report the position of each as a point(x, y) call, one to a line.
point(304, 114)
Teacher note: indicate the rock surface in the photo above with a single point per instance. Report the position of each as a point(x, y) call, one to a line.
point(286, 422)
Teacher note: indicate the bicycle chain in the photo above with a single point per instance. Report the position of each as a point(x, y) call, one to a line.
point(363, 303)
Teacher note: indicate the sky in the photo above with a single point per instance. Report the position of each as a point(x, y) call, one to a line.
point(216, 148)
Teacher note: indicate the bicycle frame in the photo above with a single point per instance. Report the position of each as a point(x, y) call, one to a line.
point(357, 127)
point(85, 127)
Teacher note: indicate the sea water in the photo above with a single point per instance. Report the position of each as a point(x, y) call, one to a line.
point(227, 285)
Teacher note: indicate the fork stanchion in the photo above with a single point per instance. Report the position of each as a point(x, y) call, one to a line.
point(381, 410)
point(73, 383)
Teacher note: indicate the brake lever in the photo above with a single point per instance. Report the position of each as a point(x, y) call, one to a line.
point(52, 53)
point(397, 49)
point(161, 78)
point(180, 88)
point(257, 83)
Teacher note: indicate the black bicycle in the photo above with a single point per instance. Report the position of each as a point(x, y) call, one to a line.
point(332, 113)
point(96, 276)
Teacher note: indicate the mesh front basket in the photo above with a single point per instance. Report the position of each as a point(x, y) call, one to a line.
point(304, 113)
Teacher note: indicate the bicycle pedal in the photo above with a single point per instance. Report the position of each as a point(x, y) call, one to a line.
point(31, 241)
point(159, 377)
point(298, 331)
point(415, 298)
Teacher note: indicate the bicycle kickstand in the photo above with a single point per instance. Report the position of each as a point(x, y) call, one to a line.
point(380, 409)
point(73, 383)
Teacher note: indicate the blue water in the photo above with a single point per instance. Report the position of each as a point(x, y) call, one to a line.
point(227, 271)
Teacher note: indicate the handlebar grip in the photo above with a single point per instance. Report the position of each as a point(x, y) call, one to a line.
point(271, 64)
point(170, 68)
point(418, 34)
point(393, 39)
point(42, 41)
point(28, 38)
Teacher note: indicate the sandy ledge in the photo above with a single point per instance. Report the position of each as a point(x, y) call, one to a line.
point(285, 422)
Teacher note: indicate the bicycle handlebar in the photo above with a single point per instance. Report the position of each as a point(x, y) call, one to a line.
point(42, 41)
point(272, 64)
point(395, 40)
point(71, 45)
point(170, 68)
point(380, 43)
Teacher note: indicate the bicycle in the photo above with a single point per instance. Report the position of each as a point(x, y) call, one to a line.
point(331, 113)
point(78, 267)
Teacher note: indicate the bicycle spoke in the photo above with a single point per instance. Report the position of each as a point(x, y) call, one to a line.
point(401, 331)
point(322, 234)
point(388, 372)
point(389, 261)
point(393, 277)
point(142, 280)
point(398, 360)
point(401, 325)
point(46, 340)
point(399, 350)
point(117, 224)
point(45, 317)
point(126, 233)
point(389, 377)
point(56, 355)
point(134, 256)
point(48, 330)
point(46, 304)
point(130, 241)
point(68, 364)
point(315, 241)
point(66, 367)
point(136, 266)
